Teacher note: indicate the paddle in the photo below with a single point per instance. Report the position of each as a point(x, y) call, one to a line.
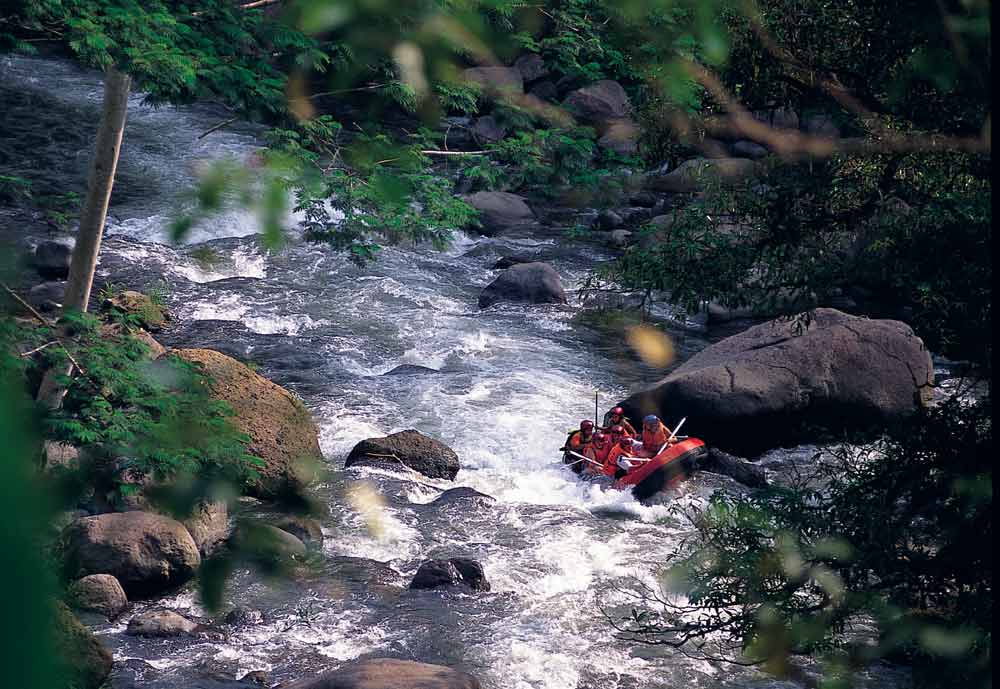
point(582, 459)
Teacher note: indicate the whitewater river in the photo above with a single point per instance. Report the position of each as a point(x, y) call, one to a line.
point(513, 380)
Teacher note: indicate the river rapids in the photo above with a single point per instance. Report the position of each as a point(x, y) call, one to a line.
point(513, 380)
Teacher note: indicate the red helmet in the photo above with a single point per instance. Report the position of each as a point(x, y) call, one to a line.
point(599, 437)
point(617, 430)
point(625, 441)
point(586, 424)
point(617, 411)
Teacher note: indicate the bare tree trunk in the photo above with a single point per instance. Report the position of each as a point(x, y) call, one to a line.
point(93, 215)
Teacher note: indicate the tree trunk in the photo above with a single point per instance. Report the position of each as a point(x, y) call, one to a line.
point(92, 217)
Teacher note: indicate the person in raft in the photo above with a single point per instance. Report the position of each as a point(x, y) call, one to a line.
point(580, 440)
point(597, 453)
point(617, 418)
point(654, 436)
point(625, 447)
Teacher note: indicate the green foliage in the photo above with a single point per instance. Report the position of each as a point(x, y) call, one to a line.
point(154, 419)
point(894, 533)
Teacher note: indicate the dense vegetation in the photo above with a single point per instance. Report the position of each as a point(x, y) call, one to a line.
point(892, 219)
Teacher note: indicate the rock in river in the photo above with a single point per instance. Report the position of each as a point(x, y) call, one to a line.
point(146, 552)
point(757, 389)
point(456, 571)
point(410, 448)
point(83, 657)
point(535, 283)
point(282, 431)
point(160, 623)
point(100, 593)
point(499, 210)
point(388, 673)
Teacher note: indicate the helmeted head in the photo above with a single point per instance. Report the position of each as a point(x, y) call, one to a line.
point(625, 442)
point(617, 413)
point(617, 430)
point(599, 439)
point(586, 425)
point(651, 421)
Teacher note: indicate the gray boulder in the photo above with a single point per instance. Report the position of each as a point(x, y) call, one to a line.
point(306, 529)
point(161, 623)
point(697, 174)
point(267, 543)
point(388, 673)
point(487, 130)
point(498, 79)
point(208, 526)
point(545, 90)
point(410, 449)
point(762, 387)
point(51, 260)
point(779, 118)
point(499, 210)
point(505, 262)
point(748, 149)
point(531, 67)
point(47, 296)
point(100, 593)
point(736, 468)
point(620, 135)
point(599, 102)
point(535, 283)
point(148, 553)
point(456, 571)
point(410, 370)
point(821, 125)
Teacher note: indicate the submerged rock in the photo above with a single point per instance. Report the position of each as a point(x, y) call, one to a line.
point(267, 543)
point(84, 658)
point(535, 283)
point(242, 617)
point(388, 673)
point(410, 370)
point(462, 494)
point(161, 623)
point(757, 389)
point(456, 571)
point(282, 431)
point(410, 449)
point(148, 553)
point(100, 593)
point(736, 468)
point(305, 529)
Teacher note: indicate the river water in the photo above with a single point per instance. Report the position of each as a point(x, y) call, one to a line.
point(513, 379)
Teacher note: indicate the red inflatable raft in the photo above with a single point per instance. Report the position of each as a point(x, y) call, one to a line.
point(673, 465)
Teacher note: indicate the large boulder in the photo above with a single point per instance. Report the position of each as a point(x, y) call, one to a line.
point(81, 655)
point(146, 311)
point(306, 529)
point(408, 448)
point(499, 210)
point(267, 544)
point(388, 673)
point(498, 79)
point(51, 260)
point(599, 102)
point(456, 571)
point(486, 130)
point(621, 136)
point(208, 525)
point(282, 431)
point(100, 593)
point(762, 387)
point(699, 173)
point(535, 283)
point(161, 623)
point(531, 66)
point(146, 552)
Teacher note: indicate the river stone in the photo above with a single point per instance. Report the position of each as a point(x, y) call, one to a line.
point(160, 623)
point(306, 529)
point(748, 149)
point(505, 262)
point(388, 673)
point(599, 102)
point(531, 67)
point(456, 571)
point(149, 313)
point(502, 79)
point(100, 593)
point(208, 525)
point(608, 220)
point(47, 296)
point(736, 468)
point(535, 283)
point(51, 260)
point(487, 130)
point(85, 659)
point(779, 118)
point(755, 390)
point(267, 543)
point(499, 210)
point(620, 135)
point(821, 125)
point(696, 174)
point(462, 495)
point(148, 553)
point(243, 617)
point(410, 370)
point(545, 90)
point(410, 448)
point(282, 431)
